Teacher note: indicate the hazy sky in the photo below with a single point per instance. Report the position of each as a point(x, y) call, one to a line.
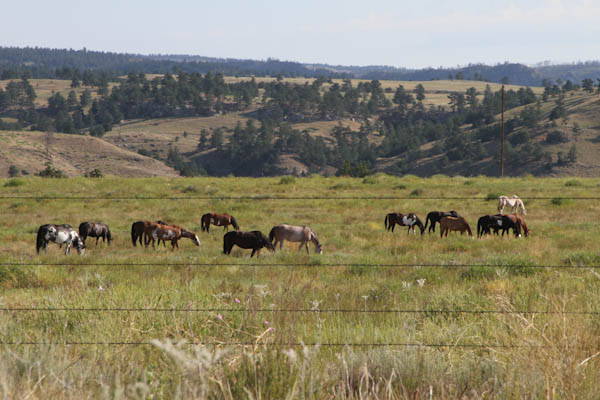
point(416, 33)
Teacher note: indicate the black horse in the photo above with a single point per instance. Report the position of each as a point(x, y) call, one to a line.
point(410, 220)
point(59, 234)
point(254, 240)
point(435, 216)
point(487, 223)
point(95, 229)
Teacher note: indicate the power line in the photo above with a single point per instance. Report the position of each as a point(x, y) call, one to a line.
point(280, 344)
point(269, 310)
point(259, 197)
point(314, 265)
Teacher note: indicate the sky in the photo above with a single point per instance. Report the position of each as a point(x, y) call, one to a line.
point(411, 34)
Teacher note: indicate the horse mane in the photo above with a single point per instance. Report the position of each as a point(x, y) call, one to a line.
point(40, 237)
point(234, 223)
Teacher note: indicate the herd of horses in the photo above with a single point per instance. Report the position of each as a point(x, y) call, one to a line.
point(146, 232)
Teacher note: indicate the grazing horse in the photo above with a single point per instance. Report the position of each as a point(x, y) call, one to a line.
point(155, 231)
point(223, 220)
point(519, 221)
point(254, 240)
point(460, 224)
point(409, 220)
point(302, 234)
point(514, 202)
point(435, 216)
point(95, 229)
point(59, 234)
point(497, 222)
point(137, 232)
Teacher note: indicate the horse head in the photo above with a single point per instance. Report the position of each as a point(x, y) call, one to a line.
point(315, 240)
point(79, 245)
point(196, 240)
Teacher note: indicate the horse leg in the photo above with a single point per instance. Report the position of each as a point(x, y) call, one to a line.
point(97, 237)
point(68, 248)
point(253, 251)
point(281, 245)
point(301, 244)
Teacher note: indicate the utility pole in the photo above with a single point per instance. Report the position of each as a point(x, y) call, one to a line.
point(502, 139)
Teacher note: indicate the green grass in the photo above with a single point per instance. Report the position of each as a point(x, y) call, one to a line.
point(353, 235)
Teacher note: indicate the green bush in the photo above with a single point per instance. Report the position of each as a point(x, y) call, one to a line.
point(287, 180)
point(51, 172)
point(14, 183)
point(492, 196)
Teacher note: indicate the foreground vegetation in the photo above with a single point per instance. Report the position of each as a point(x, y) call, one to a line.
point(439, 354)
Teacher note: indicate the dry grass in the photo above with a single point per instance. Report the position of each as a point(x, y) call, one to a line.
point(566, 366)
point(73, 154)
point(44, 88)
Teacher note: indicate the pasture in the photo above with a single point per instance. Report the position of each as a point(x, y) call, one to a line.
point(377, 315)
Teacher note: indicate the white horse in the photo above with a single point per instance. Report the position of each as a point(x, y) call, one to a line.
point(514, 202)
point(302, 234)
point(59, 234)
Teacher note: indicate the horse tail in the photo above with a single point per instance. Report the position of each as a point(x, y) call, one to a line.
point(479, 227)
point(385, 222)
point(40, 240)
point(420, 225)
point(203, 222)
point(272, 234)
point(235, 224)
point(427, 220)
point(83, 228)
point(108, 235)
point(133, 234)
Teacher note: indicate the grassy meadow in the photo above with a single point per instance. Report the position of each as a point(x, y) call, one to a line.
point(511, 353)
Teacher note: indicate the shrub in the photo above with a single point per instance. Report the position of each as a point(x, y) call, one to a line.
point(287, 180)
point(95, 173)
point(51, 172)
point(492, 196)
point(416, 192)
point(401, 186)
point(370, 180)
point(573, 182)
point(14, 183)
point(13, 171)
point(556, 137)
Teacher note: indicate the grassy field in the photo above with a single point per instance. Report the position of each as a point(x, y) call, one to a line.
point(511, 353)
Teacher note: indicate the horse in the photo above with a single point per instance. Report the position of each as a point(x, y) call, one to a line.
point(155, 231)
point(409, 220)
point(137, 232)
point(448, 224)
point(59, 234)
point(435, 216)
point(254, 240)
point(302, 234)
point(497, 222)
point(223, 220)
point(519, 221)
point(95, 229)
point(514, 202)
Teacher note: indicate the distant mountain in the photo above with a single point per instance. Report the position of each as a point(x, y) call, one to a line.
point(44, 63)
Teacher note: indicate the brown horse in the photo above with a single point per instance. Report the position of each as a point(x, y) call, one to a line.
point(155, 231)
point(95, 229)
point(137, 232)
point(519, 221)
point(223, 220)
point(454, 224)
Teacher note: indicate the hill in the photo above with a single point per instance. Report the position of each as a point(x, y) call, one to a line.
point(61, 63)
point(75, 155)
point(268, 126)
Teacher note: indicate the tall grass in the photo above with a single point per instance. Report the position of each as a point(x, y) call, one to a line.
point(556, 353)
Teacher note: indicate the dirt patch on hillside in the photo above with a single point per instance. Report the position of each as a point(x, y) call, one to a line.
point(75, 155)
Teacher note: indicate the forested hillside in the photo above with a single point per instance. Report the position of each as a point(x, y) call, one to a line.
point(270, 126)
point(67, 63)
